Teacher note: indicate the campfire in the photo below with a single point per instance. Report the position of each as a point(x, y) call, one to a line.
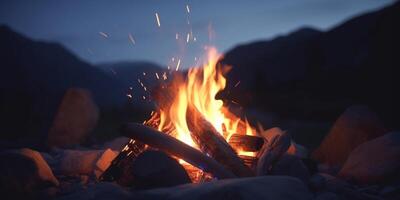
point(200, 131)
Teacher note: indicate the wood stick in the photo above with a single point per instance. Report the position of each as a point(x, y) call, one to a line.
point(271, 152)
point(175, 147)
point(246, 142)
point(212, 143)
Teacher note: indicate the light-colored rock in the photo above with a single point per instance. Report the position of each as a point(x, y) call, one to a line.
point(44, 171)
point(104, 161)
point(375, 161)
point(76, 117)
point(23, 174)
point(75, 162)
point(355, 126)
point(294, 148)
point(116, 144)
point(266, 187)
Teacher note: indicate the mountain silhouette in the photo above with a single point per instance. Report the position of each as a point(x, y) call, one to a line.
point(34, 77)
point(312, 74)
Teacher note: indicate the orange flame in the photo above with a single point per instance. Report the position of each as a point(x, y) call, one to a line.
point(199, 90)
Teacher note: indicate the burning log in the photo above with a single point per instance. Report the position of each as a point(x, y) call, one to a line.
point(212, 143)
point(246, 142)
point(122, 162)
point(271, 152)
point(175, 147)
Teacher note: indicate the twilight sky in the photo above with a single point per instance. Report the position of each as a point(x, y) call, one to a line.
point(120, 30)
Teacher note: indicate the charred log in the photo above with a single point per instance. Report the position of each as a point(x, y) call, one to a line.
point(246, 142)
point(176, 148)
point(271, 152)
point(122, 163)
point(212, 143)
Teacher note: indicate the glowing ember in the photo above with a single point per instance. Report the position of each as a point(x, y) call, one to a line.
point(158, 20)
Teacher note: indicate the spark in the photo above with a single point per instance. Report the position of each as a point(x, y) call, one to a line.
point(237, 83)
point(158, 20)
point(165, 77)
point(177, 65)
point(131, 88)
point(143, 97)
point(187, 38)
point(105, 35)
point(144, 73)
point(132, 39)
point(157, 76)
point(144, 87)
point(173, 59)
point(168, 67)
point(129, 96)
point(176, 36)
point(187, 8)
point(194, 39)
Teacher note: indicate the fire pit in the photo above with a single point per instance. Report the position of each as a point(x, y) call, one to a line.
point(199, 130)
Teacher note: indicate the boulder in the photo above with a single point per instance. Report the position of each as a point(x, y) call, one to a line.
point(76, 117)
point(77, 162)
point(154, 169)
point(294, 148)
point(116, 144)
point(44, 170)
point(355, 126)
point(24, 174)
point(375, 161)
point(265, 187)
point(104, 161)
point(290, 165)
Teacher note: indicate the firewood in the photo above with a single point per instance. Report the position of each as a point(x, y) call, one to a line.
point(246, 142)
point(271, 152)
point(250, 161)
point(118, 167)
point(176, 148)
point(212, 143)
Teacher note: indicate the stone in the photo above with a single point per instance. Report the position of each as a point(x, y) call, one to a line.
point(44, 170)
point(375, 161)
point(294, 148)
point(290, 165)
point(355, 126)
point(98, 191)
point(24, 174)
point(327, 196)
point(116, 144)
point(78, 162)
point(154, 169)
point(104, 161)
point(76, 117)
point(264, 187)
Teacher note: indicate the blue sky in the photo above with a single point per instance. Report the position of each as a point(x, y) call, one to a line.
point(77, 24)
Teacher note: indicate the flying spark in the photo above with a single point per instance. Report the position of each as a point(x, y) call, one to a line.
point(157, 76)
point(105, 35)
point(187, 38)
point(132, 39)
point(129, 96)
point(176, 36)
point(187, 8)
point(237, 83)
point(158, 20)
point(177, 65)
